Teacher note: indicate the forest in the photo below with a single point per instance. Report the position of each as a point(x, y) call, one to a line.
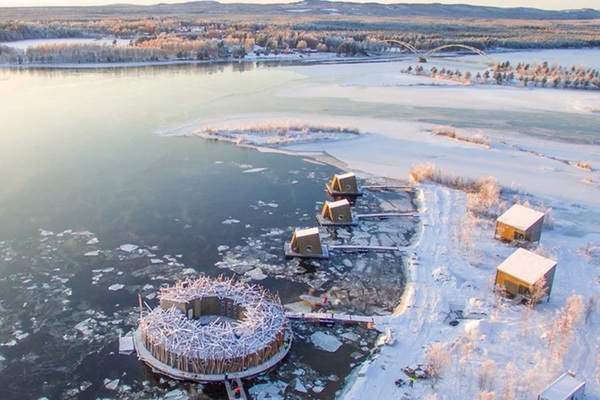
point(186, 32)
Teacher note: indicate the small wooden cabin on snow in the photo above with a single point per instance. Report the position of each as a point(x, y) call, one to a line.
point(306, 243)
point(336, 213)
point(522, 270)
point(519, 223)
point(567, 387)
point(343, 186)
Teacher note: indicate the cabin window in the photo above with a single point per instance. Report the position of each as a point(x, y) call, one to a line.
point(341, 217)
point(348, 187)
point(309, 248)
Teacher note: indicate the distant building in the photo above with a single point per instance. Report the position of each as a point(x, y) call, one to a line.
point(336, 213)
point(567, 387)
point(519, 223)
point(306, 243)
point(343, 186)
point(520, 272)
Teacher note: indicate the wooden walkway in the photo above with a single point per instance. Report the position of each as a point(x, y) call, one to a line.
point(388, 187)
point(327, 318)
point(235, 389)
point(364, 249)
point(388, 215)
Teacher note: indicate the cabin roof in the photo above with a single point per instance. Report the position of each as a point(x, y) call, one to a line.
point(526, 266)
point(520, 217)
point(346, 175)
point(339, 203)
point(562, 388)
point(307, 232)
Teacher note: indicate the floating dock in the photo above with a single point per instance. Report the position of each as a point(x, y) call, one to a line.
point(289, 253)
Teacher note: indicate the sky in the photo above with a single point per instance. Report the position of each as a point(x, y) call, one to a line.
point(542, 4)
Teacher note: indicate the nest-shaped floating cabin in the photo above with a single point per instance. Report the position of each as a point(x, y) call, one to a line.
point(206, 328)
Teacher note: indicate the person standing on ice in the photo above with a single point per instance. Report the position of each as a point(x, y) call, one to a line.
point(412, 381)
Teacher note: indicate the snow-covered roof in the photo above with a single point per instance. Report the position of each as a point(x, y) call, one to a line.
point(339, 203)
point(526, 266)
point(307, 232)
point(562, 388)
point(520, 217)
point(346, 175)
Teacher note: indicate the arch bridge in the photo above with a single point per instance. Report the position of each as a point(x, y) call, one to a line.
point(448, 46)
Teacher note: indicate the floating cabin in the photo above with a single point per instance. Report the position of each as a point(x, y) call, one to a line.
point(567, 387)
point(344, 186)
point(336, 213)
point(306, 243)
point(519, 223)
point(522, 270)
point(206, 328)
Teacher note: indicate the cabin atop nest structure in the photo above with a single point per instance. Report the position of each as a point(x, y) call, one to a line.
point(519, 223)
point(343, 186)
point(306, 243)
point(336, 213)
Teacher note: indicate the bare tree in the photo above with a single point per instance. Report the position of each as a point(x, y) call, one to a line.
point(590, 306)
point(538, 291)
point(510, 383)
point(485, 378)
point(438, 360)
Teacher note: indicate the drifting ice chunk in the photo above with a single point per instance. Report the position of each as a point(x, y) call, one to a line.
point(230, 221)
point(222, 247)
point(111, 385)
point(46, 233)
point(256, 274)
point(116, 286)
point(299, 386)
point(252, 170)
point(126, 345)
point(325, 342)
point(93, 241)
point(176, 394)
point(92, 253)
point(128, 247)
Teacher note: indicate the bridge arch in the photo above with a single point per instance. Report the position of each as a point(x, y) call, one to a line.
point(464, 46)
point(406, 45)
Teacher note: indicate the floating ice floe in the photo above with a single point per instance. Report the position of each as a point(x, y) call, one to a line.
point(230, 221)
point(93, 241)
point(128, 247)
point(272, 391)
point(84, 327)
point(156, 261)
point(223, 247)
point(126, 345)
point(188, 271)
point(325, 342)
point(46, 233)
point(273, 205)
point(20, 335)
point(116, 286)
point(92, 253)
point(256, 274)
point(176, 394)
point(299, 386)
point(253, 170)
point(111, 385)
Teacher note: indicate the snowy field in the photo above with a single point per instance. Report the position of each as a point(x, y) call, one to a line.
point(512, 351)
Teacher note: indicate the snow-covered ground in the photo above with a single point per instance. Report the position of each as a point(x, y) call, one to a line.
point(512, 350)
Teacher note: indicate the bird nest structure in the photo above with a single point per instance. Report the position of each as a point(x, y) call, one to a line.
point(211, 327)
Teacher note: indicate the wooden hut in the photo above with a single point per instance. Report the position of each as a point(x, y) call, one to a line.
point(519, 223)
point(567, 387)
point(306, 243)
point(520, 272)
point(343, 186)
point(336, 213)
